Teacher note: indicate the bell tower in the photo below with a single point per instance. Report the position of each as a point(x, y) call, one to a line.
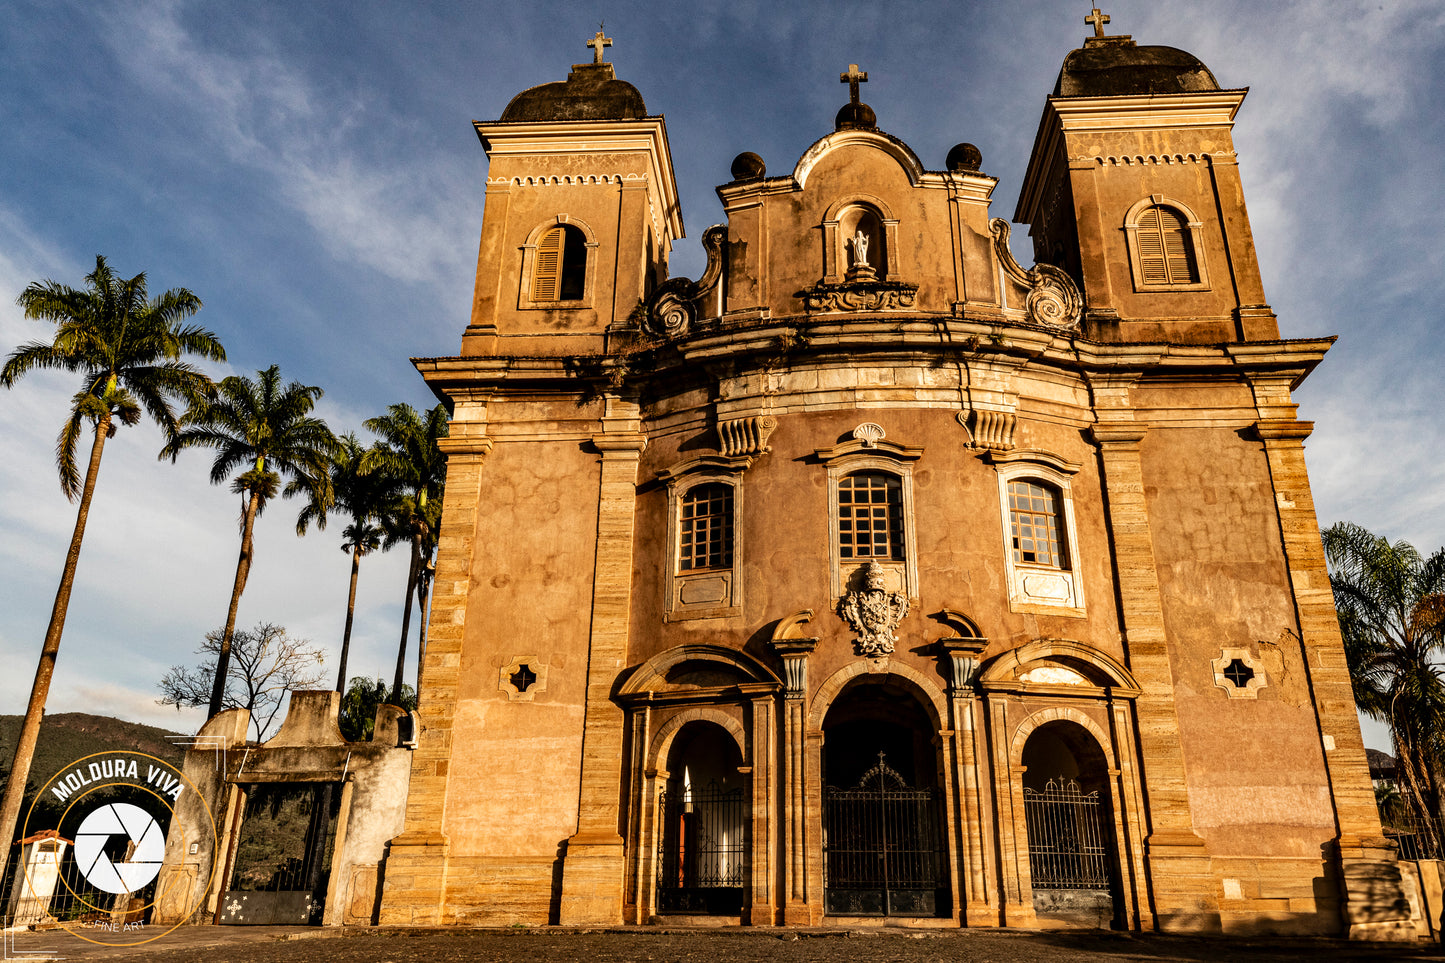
point(581, 213)
point(1133, 188)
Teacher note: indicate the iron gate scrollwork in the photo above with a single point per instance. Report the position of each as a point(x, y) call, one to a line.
point(881, 848)
point(702, 850)
point(1066, 845)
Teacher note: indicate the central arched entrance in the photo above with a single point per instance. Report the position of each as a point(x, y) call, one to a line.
point(883, 847)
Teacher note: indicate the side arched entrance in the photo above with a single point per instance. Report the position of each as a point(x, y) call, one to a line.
point(698, 783)
point(1066, 786)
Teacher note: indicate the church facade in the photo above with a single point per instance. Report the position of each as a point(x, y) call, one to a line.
point(874, 575)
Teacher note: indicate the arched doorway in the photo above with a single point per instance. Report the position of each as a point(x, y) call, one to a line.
point(884, 852)
point(1073, 866)
point(702, 854)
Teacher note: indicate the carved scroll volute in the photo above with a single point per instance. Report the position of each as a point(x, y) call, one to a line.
point(746, 436)
point(672, 309)
point(1053, 299)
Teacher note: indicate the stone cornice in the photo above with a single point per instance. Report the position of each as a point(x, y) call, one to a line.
point(911, 340)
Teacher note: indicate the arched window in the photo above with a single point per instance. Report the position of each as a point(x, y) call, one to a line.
point(1166, 254)
point(559, 265)
point(1034, 510)
point(1041, 540)
point(705, 528)
point(870, 516)
point(1165, 248)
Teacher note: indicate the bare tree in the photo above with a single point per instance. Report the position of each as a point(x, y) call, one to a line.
point(266, 663)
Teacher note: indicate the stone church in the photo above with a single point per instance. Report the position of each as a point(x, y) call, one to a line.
point(874, 575)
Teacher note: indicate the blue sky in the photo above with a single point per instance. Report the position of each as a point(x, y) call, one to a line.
point(310, 171)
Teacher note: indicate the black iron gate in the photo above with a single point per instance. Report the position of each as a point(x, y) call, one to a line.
point(1067, 849)
point(882, 851)
point(702, 851)
point(283, 855)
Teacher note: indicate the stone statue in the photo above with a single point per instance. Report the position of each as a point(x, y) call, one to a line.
point(860, 249)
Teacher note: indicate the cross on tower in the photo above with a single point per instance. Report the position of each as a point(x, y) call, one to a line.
point(853, 78)
point(598, 42)
point(1096, 18)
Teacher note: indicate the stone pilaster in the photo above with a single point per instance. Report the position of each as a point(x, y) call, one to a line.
point(1181, 880)
point(1375, 905)
point(592, 870)
point(762, 910)
point(414, 891)
point(794, 653)
point(979, 905)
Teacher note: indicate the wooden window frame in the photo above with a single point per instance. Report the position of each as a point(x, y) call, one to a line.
point(711, 592)
point(1194, 239)
point(531, 256)
point(1033, 587)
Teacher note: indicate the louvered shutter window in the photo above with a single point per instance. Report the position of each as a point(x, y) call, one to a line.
point(1165, 255)
point(548, 265)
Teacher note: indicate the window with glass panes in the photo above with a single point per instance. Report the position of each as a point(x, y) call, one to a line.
point(1034, 516)
point(706, 528)
point(870, 516)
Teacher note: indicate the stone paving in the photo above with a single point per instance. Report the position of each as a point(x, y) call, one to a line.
point(669, 945)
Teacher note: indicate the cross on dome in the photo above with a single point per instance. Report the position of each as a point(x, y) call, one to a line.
point(1096, 18)
point(598, 42)
point(853, 77)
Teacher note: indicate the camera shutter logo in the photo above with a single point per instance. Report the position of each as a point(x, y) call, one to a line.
point(144, 862)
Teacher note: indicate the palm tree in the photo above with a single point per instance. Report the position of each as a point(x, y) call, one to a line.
point(363, 497)
point(408, 453)
point(128, 351)
point(1391, 605)
point(266, 426)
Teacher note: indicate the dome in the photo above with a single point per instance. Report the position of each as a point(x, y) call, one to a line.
point(1117, 66)
point(590, 92)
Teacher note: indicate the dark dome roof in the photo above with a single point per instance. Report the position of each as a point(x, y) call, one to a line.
point(1116, 65)
point(590, 92)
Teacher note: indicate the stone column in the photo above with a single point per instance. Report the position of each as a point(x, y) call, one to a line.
point(414, 891)
point(1181, 879)
point(592, 870)
point(794, 653)
point(1375, 905)
point(975, 901)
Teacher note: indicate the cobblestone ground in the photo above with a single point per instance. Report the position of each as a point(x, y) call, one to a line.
point(280, 945)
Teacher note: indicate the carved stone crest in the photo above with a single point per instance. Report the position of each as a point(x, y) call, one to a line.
point(860, 295)
point(873, 612)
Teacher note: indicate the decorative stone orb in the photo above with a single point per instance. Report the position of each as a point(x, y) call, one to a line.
point(856, 116)
point(748, 166)
point(964, 157)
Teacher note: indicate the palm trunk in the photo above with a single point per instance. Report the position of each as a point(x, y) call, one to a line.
point(350, 613)
point(40, 689)
point(243, 568)
point(423, 592)
point(405, 622)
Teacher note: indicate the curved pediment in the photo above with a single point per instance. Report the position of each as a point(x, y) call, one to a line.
point(1057, 662)
point(844, 139)
point(697, 666)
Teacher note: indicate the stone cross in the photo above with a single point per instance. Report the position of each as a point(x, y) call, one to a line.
point(599, 41)
point(1096, 18)
point(853, 78)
